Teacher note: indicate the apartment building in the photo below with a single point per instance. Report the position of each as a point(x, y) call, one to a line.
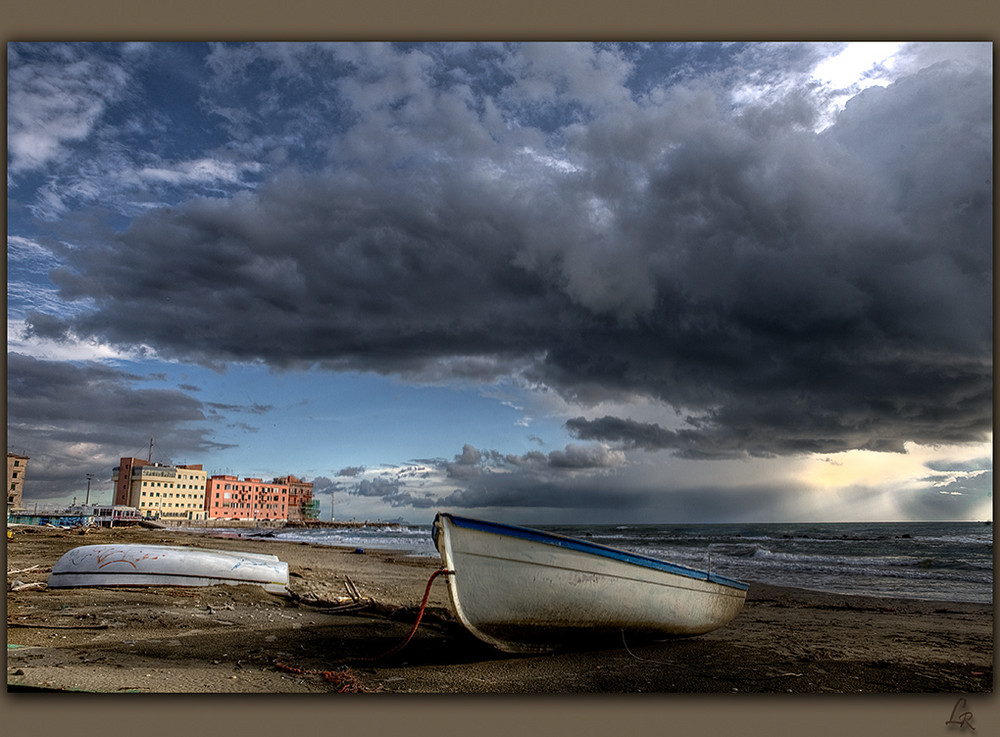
point(17, 466)
point(301, 506)
point(229, 497)
point(158, 491)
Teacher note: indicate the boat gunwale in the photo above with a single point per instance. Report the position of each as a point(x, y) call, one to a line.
point(583, 546)
point(192, 550)
point(113, 579)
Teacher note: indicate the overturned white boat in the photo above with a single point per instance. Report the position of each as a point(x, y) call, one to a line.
point(165, 565)
point(523, 590)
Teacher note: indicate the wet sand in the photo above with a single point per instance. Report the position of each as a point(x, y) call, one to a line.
point(241, 639)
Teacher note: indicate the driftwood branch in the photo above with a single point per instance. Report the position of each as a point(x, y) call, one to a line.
point(23, 586)
point(58, 626)
point(352, 589)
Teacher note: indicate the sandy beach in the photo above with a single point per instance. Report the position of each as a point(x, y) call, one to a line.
point(346, 609)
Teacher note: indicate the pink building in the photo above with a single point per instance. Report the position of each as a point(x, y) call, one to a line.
point(301, 506)
point(228, 497)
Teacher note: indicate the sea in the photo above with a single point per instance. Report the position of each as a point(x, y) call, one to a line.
point(943, 561)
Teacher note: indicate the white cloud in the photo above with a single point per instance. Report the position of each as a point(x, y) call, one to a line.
point(28, 252)
point(859, 65)
point(55, 103)
point(20, 340)
point(578, 72)
point(560, 165)
point(886, 471)
point(198, 171)
point(847, 70)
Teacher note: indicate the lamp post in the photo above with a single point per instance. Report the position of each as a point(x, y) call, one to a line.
point(90, 476)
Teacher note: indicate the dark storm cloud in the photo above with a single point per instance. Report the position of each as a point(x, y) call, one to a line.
point(56, 392)
point(243, 426)
point(528, 493)
point(392, 490)
point(351, 471)
point(953, 500)
point(788, 291)
point(380, 486)
point(973, 478)
point(254, 408)
point(468, 464)
point(630, 434)
point(976, 464)
point(76, 419)
point(579, 476)
point(580, 457)
point(602, 498)
point(473, 463)
point(323, 485)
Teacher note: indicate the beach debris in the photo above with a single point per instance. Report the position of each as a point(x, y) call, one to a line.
point(343, 679)
point(353, 602)
point(336, 676)
point(352, 590)
point(342, 605)
point(647, 660)
point(38, 568)
point(28, 625)
point(16, 585)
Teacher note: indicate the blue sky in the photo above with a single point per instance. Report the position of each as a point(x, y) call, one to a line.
point(534, 282)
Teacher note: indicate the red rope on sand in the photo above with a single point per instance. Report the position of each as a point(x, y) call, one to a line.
point(420, 615)
point(345, 680)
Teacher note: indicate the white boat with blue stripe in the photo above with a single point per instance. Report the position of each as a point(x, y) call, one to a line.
point(524, 590)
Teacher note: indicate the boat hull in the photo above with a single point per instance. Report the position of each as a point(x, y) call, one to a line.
point(523, 590)
point(164, 565)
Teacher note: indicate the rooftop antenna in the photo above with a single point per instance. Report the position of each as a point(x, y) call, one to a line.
point(150, 459)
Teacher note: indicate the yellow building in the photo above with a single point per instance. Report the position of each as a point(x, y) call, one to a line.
point(17, 466)
point(166, 493)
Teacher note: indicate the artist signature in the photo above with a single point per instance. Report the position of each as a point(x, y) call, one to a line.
point(961, 716)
